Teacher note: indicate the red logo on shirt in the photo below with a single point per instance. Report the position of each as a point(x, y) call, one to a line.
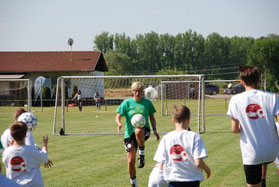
point(177, 153)
point(254, 111)
point(18, 164)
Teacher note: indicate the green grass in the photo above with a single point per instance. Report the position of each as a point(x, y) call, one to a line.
point(100, 160)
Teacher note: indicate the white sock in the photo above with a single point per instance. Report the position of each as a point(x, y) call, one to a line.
point(141, 150)
point(134, 181)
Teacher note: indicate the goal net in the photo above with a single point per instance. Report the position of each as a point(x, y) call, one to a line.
point(163, 90)
point(15, 92)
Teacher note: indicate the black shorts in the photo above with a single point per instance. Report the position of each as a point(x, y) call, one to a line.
point(253, 173)
point(131, 141)
point(185, 184)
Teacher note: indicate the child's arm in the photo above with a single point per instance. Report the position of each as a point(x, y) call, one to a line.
point(277, 117)
point(200, 164)
point(118, 122)
point(235, 126)
point(74, 97)
point(153, 124)
point(45, 141)
point(161, 165)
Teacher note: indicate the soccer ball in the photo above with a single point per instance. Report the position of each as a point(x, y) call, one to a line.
point(138, 121)
point(29, 119)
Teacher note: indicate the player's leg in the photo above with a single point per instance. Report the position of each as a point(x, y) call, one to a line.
point(131, 149)
point(131, 157)
point(80, 105)
point(140, 132)
point(99, 105)
point(264, 170)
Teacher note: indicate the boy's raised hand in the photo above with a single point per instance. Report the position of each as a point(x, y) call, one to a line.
point(48, 164)
point(45, 141)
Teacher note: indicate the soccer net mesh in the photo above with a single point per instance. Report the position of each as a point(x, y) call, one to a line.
point(163, 90)
point(15, 92)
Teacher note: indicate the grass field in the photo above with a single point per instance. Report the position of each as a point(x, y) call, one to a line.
point(100, 160)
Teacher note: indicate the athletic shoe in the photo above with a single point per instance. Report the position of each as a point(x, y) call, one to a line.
point(141, 161)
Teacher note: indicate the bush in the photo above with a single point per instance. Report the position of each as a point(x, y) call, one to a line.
point(54, 92)
point(46, 94)
point(22, 97)
point(74, 91)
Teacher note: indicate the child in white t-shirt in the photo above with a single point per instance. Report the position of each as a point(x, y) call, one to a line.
point(252, 116)
point(22, 161)
point(181, 152)
point(6, 137)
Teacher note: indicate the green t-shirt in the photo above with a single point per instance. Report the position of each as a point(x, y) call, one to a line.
point(130, 107)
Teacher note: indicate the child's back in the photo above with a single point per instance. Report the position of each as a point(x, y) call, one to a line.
point(23, 164)
point(180, 149)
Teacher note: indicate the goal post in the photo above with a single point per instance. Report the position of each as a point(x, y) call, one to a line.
point(113, 90)
point(16, 92)
point(186, 91)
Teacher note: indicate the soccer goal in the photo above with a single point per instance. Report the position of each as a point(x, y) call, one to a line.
point(163, 90)
point(16, 92)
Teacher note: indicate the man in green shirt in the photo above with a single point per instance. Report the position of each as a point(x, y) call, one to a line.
point(135, 137)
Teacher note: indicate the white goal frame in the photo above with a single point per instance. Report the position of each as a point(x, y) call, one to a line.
point(60, 81)
point(201, 100)
point(29, 89)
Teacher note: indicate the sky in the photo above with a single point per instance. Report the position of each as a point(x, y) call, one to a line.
point(46, 25)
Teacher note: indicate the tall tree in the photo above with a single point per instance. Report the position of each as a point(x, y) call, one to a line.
point(166, 50)
point(265, 55)
point(239, 50)
point(148, 52)
point(273, 37)
point(122, 43)
point(118, 63)
point(216, 55)
point(104, 42)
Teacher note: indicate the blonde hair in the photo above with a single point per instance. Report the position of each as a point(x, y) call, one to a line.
point(137, 85)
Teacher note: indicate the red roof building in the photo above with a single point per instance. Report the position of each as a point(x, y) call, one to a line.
point(51, 65)
point(34, 62)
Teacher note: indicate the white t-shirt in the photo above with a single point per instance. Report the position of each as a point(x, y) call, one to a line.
point(78, 97)
point(178, 150)
point(156, 178)
point(23, 164)
point(150, 93)
point(276, 161)
point(255, 111)
point(7, 138)
point(4, 181)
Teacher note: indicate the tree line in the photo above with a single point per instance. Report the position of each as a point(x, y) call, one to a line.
point(215, 56)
